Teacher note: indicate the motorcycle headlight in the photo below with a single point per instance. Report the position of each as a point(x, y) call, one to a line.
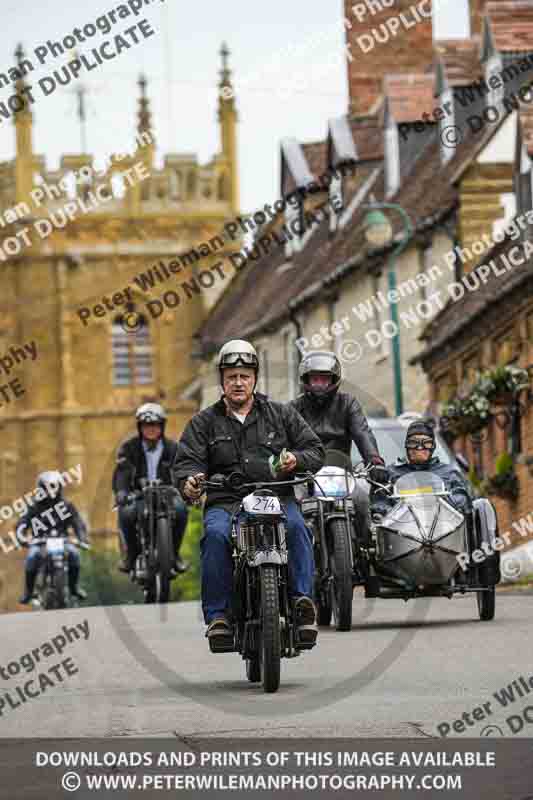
point(333, 484)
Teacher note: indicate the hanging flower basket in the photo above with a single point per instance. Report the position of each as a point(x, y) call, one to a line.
point(470, 424)
point(501, 384)
point(501, 399)
point(467, 415)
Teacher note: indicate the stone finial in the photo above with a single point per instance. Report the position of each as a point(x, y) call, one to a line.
point(144, 114)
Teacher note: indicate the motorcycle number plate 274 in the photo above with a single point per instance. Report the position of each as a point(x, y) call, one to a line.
point(260, 504)
point(55, 545)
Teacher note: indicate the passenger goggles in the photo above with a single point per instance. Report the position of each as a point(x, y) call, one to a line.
point(420, 444)
point(244, 359)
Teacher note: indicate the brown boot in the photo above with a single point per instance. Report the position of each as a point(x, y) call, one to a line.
point(306, 627)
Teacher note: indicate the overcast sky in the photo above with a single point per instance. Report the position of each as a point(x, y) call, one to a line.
point(287, 59)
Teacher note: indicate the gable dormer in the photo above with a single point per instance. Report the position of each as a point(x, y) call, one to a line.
point(341, 150)
point(456, 68)
point(523, 167)
point(507, 52)
point(492, 62)
point(408, 105)
point(391, 148)
point(295, 175)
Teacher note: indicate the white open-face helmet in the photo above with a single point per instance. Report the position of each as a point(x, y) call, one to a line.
point(151, 413)
point(235, 353)
point(52, 483)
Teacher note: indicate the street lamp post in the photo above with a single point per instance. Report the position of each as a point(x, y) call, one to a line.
point(378, 232)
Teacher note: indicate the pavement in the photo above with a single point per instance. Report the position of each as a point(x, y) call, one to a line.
point(403, 670)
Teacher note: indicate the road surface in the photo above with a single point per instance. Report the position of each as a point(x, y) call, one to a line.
point(404, 669)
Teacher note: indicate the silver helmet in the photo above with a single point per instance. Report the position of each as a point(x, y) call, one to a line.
point(52, 482)
point(151, 413)
point(320, 361)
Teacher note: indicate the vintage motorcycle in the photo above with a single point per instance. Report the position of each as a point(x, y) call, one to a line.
point(153, 568)
point(329, 513)
point(52, 580)
point(413, 548)
point(265, 629)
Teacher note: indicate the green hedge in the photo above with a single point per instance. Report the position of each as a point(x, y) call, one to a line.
point(105, 585)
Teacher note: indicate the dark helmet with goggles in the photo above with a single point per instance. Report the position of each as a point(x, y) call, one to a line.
point(420, 436)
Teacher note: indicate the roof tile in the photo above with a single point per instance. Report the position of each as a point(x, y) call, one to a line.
point(511, 23)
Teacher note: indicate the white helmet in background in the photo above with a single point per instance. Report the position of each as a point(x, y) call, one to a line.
point(151, 413)
point(52, 483)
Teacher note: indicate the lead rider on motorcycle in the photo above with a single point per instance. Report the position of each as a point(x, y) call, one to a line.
point(239, 433)
point(37, 519)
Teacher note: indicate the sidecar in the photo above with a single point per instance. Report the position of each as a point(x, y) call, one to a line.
point(421, 545)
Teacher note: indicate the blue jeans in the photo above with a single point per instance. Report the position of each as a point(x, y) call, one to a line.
point(217, 565)
point(35, 560)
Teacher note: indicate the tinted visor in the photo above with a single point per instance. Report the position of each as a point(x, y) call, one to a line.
point(234, 359)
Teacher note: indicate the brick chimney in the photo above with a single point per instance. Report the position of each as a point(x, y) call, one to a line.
point(477, 8)
point(386, 36)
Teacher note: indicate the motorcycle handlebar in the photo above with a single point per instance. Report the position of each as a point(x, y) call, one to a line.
point(131, 497)
point(228, 483)
point(76, 542)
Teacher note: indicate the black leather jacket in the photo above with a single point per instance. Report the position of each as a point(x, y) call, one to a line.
point(450, 474)
point(338, 423)
point(44, 523)
point(131, 464)
point(216, 442)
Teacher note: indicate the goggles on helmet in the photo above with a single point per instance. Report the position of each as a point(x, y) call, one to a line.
point(234, 359)
point(416, 443)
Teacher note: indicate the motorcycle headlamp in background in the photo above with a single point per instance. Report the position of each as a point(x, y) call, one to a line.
point(333, 482)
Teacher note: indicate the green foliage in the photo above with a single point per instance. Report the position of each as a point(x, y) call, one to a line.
point(504, 464)
point(503, 380)
point(504, 483)
point(187, 586)
point(469, 410)
point(474, 479)
point(475, 405)
point(105, 585)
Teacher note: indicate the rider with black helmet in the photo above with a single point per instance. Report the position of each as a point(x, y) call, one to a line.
point(338, 420)
point(40, 520)
point(148, 455)
point(336, 417)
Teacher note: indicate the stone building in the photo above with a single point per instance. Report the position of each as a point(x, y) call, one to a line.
point(491, 324)
point(324, 286)
point(108, 272)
